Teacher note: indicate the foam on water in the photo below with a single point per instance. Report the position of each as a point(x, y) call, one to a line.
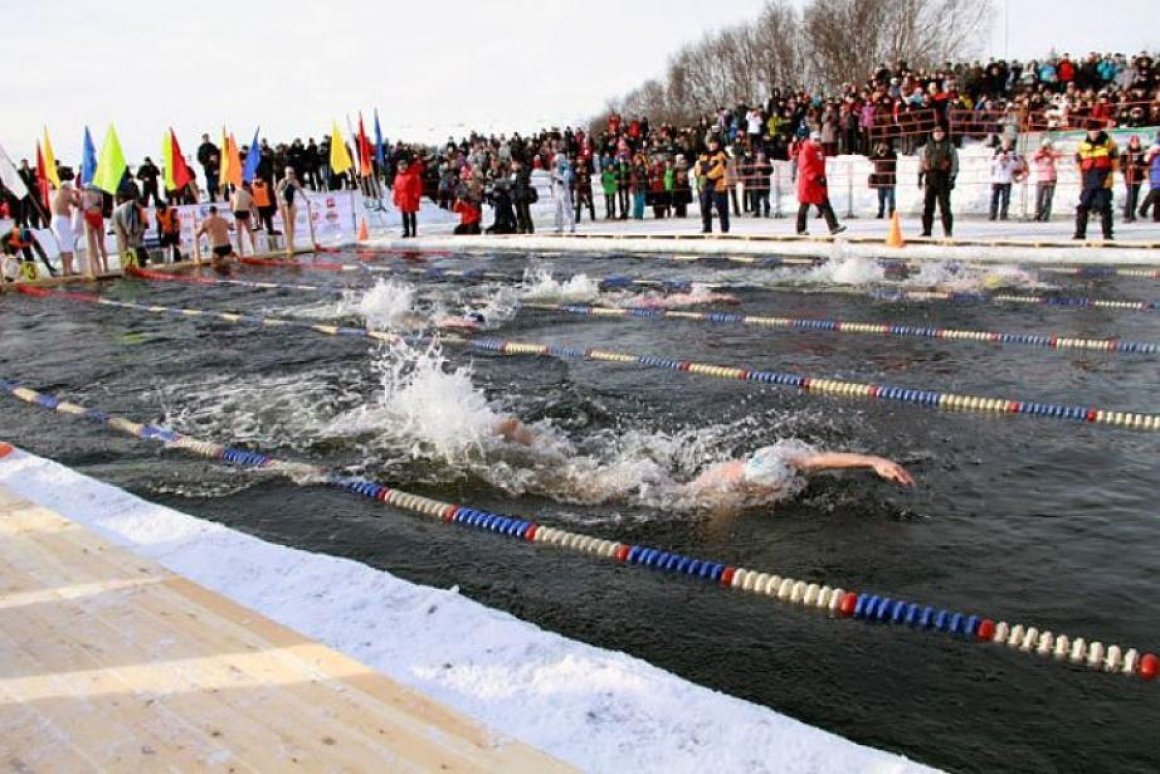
point(431, 411)
point(538, 285)
point(386, 304)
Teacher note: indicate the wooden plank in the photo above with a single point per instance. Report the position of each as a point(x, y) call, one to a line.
point(108, 660)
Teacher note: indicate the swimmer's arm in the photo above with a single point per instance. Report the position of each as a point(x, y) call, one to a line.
point(887, 469)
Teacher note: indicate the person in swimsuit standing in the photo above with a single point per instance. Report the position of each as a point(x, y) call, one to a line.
point(92, 210)
point(289, 191)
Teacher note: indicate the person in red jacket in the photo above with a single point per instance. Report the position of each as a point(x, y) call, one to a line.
point(469, 216)
point(812, 185)
point(408, 191)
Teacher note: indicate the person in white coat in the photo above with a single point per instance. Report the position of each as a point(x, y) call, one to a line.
point(1006, 168)
point(562, 178)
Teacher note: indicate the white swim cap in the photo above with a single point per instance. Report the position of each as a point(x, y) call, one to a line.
point(773, 466)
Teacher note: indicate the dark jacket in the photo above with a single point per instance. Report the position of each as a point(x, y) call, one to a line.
point(885, 168)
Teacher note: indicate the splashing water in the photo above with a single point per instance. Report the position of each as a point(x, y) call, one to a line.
point(386, 304)
point(423, 408)
point(538, 285)
point(429, 411)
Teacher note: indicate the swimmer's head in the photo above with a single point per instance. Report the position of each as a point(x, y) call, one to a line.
point(769, 466)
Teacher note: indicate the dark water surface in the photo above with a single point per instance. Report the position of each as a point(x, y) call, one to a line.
point(1035, 521)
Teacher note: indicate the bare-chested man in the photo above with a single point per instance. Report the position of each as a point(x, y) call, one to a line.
point(217, 229)
point(62, 205)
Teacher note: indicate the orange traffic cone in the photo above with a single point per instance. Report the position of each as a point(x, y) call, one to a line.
point(363, 231)
point(894, 238)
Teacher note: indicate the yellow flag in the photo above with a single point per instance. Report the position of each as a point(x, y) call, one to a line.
point(50, 162)
point(111, 166)
point(340, 160)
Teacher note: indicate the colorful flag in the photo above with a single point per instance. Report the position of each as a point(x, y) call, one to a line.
point(224, 160)
point(379, 154)
point(88, 159)
point(41, 179)
point(111, 167)
point(234, 177)
point(50, 173)
point(364, 149)
point(339, 157)
point(177, 172)
point(10, 177)
point(253, 158)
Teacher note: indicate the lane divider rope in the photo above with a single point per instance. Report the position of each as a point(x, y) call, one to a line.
point(950, 335)
point(975, 297)
point(846, 326)
point(139, 273)
point(906, 395)
point(887, 294)
point(870, 608)
point(1100, 272)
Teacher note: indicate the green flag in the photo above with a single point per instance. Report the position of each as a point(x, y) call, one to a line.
point(111, 165)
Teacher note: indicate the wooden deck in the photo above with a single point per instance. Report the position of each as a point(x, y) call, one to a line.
point(110, 662)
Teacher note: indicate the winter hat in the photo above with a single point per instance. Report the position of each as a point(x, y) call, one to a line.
point(1046, 142)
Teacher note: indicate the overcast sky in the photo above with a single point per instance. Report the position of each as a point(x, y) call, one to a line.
point(431, 69)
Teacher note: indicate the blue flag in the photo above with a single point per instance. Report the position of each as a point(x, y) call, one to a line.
point(253, 158)
point(88, 159)
point(379, 142)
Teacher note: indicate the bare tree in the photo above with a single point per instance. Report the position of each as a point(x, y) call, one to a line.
point(777, 37)
point(829, 43)
point(848, 37)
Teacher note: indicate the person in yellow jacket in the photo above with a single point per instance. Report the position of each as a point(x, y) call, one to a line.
point(710, 173)
point(1097, 157)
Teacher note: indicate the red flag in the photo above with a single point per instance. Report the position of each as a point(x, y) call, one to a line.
point(364, 149)
point(41, 177)
point(178, 174)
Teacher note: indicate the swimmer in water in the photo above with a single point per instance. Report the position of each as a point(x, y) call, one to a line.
point(771, 467)
point(768, 471)
point(700, 294)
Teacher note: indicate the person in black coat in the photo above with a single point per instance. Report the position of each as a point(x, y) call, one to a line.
point(148, 174)
point(524, 195)
point(209, 157)
point(884, 178)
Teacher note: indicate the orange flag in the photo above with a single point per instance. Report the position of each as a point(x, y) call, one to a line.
point(234, 175)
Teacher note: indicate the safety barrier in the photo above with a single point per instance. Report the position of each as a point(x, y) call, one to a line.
point(889, 126)
point(833, 387)
point(867, 607)
point(846, 326)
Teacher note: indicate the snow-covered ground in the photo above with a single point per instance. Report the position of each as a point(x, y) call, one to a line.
point(597, 709)
point(656, 236)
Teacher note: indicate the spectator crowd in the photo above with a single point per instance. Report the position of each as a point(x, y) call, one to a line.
point(623, 166)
